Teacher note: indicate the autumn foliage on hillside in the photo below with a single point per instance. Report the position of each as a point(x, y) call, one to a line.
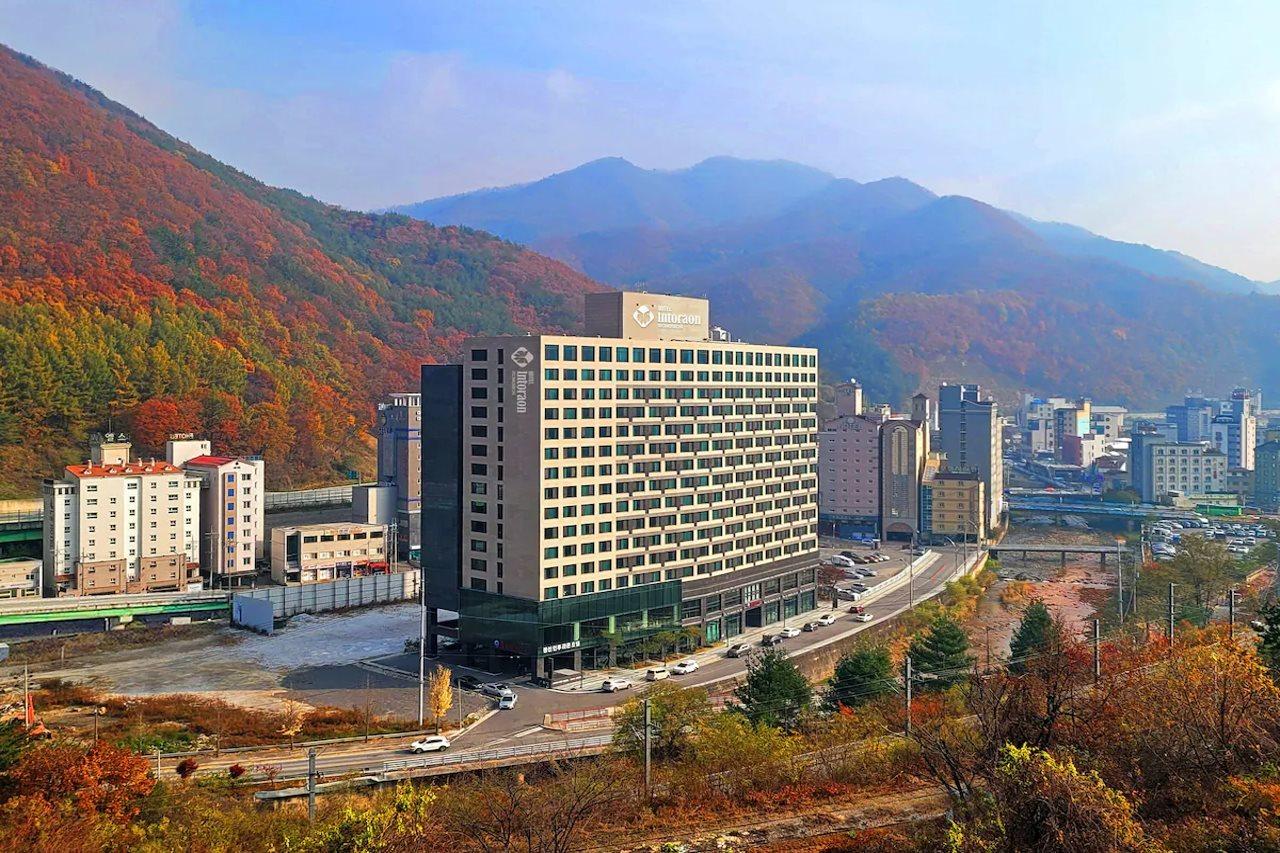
point(146, 285)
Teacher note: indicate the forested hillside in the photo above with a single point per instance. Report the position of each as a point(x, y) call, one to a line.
point(147, 286)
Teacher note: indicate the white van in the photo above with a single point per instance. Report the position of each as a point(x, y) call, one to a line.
point(658, 673)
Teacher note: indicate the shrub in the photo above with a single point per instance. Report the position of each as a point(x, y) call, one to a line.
point(186, 767)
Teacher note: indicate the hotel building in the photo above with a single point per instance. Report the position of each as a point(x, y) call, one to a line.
point(583, 493)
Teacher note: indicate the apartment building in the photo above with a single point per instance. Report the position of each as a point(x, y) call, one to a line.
point(232, 527)
point(309, 553)
point(118, 525)
point(970, 438)
point(582, 493)
point(952, 505)
point(849, 476)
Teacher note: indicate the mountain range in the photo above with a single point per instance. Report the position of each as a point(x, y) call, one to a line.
point(898, 286)
point(146, 286)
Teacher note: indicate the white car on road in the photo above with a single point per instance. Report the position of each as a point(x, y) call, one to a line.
point(613, 685)
point(497, 689)
point(862, 617)
point(685, 667)
point(788, 633)
point(434, 743)
point(826, 619)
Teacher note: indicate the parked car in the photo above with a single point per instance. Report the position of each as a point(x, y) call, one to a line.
point(849, 594)
point(867, 573)
point(506, 703)
point(738, 650)
point(658, 673)
point(432, 743)
point(841, 561)
point(467, 682)
point(613, 685)
point(826, 619)
point(862, 617)
point(850, 554)
point(685, 667)
point(496, 689)
point(788, 633)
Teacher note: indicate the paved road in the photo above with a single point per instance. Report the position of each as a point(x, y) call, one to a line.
point(523, 724)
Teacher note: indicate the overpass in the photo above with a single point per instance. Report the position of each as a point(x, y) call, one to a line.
point(1075, 506)
point(27, 617)
point(1062, 551)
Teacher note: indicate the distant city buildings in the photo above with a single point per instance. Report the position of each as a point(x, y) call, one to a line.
point(1267, 475)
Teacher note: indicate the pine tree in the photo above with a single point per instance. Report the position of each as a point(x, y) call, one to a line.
point(775, 692)
point(1269, 647)
point(861, 675)
point(941, 651)
point(1033, 635)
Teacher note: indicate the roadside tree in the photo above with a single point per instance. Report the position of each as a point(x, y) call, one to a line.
point(775, 693)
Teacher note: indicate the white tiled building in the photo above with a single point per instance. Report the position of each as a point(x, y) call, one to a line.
point(232, 529)
point(118, 525)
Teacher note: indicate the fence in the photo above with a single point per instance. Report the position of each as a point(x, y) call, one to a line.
point(338, 594)
point(501, 753)
point(308, 498)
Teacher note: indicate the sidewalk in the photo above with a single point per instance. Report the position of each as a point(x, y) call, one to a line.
point(591, 682)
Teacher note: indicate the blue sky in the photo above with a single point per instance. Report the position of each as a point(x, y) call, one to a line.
point(1145, 121)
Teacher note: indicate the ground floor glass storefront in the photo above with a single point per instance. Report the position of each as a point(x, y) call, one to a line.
point(629, 627)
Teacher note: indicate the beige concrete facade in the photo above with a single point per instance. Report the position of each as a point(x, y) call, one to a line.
point(19, 577)
point(114, 525)
point(647, 316)
point(956, 505)
point(904, 452)
point(596, 464)
point(309, 553)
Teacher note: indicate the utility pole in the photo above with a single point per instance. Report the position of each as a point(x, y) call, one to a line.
point(366, 706)
point(311, 785)
point(1171, 586)
point(422, 648)
point(1230, 612)
point(908, 680)
point(157, 763)
point(648, 739)
point(1119, 583)
point(1097, 651)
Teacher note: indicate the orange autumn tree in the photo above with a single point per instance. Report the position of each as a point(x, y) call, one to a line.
point(101, 778)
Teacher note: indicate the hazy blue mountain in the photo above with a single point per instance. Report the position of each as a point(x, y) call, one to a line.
point(1073, 240)
point(897, 286)
point(611, 193)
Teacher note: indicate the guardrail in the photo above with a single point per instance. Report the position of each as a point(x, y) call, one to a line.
point(482, 755)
